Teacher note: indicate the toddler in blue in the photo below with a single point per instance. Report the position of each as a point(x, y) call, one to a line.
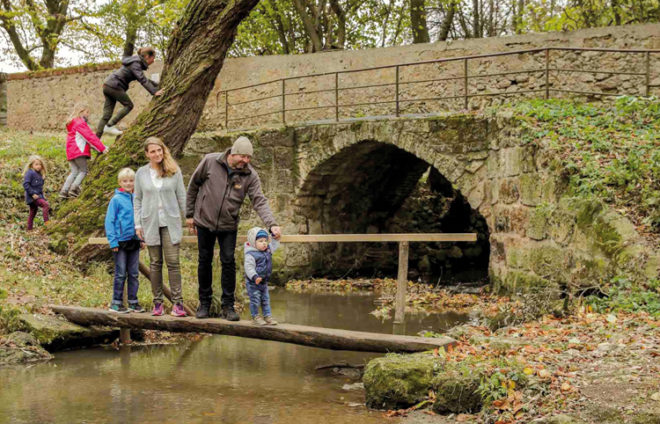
point(258, 268)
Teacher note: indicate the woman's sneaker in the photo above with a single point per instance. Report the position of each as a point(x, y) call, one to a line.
point(135, 307)
point(158, 310)
point(118, 309)
point(178, 311)
point(111, 130)
point(270, 321)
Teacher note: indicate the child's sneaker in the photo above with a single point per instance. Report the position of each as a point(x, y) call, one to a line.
point(158, 310)
point(135, 307)
point(118, 309)
point(64, 194)
point(270, 321)
point(258, 320)
point(178, 311)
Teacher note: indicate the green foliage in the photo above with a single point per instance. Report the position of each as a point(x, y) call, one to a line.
point(623, 295)
point(607, 150)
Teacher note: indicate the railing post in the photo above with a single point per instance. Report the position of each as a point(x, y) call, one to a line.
point(283, 101)
point(226, 110)
point(336, 96)
point(547, 74)
point(401, 284)
point(647, 92)
point(396, 89)
point(465, 82)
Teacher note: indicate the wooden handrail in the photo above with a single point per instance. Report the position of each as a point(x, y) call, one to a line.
point(344, 238)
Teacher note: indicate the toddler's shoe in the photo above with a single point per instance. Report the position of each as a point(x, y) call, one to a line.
point(258, 320)
point(270, 321)
point(135, 307)
point(158, 310)
point(120, 309)
point(178, 311)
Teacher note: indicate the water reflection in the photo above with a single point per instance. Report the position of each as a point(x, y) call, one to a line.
point(216, 379)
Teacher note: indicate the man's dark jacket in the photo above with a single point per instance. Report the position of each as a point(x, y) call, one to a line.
point(214, 199)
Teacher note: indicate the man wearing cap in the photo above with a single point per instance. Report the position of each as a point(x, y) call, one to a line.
point(216, 192)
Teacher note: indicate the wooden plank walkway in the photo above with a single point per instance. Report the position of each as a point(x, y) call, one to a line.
point(326, 338)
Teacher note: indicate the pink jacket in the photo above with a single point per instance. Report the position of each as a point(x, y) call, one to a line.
point(79, 138)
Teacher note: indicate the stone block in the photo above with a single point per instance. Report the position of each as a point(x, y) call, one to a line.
point(511, 161)
point(538, 224)
point(509, 190)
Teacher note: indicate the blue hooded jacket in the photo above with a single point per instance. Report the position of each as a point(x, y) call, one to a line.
point(119, 222)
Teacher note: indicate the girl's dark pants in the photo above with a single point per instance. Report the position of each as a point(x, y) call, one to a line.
point(126, 265)
point(112, 96)
point(34, 206)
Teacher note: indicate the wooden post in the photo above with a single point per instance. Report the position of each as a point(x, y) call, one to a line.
point(401, 284)
point(125, 333)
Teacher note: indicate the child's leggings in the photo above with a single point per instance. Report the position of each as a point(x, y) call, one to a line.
point(45, 207)
point(78, 172)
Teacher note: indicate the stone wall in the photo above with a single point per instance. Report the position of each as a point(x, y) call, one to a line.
point(538, 237)
point(42, 102)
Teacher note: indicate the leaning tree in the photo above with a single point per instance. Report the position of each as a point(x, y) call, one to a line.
point(194, 57)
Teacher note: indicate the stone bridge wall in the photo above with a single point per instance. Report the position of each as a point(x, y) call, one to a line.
point(538, 237)
point(41, 101)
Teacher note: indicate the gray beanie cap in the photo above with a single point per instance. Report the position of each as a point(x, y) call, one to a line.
point(242, 146)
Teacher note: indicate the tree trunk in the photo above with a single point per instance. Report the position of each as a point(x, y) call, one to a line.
point(310, 27)
point(194, 58)
point(418, 21)
point(326, 338)
point(443, 33)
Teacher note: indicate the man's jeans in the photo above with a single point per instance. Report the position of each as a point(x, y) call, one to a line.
point(258, 294)
point(125, 263)
point(205, 244)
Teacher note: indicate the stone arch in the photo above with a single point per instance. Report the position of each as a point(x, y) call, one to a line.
point(355, 178)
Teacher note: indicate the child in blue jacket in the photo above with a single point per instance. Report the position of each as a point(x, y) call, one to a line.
point(258, 268)
point(124, 243)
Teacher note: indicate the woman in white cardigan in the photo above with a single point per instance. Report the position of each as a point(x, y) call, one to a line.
point(159, 207)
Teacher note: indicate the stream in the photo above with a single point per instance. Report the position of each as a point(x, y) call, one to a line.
point(216, 379)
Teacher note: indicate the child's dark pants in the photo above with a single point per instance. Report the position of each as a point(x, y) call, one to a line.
point(34, 206)
point(126, 265)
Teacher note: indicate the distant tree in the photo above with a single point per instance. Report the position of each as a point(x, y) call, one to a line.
point(35, 28)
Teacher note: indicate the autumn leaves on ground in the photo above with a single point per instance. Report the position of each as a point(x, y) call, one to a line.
point(593, 359)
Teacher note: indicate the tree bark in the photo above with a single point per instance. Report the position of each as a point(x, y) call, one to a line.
point(194, 58)
point(418, 21)
point(310, 27)
point(443, 33)
point(326, 338)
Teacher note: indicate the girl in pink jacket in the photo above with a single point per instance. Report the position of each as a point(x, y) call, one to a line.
point(78, 141)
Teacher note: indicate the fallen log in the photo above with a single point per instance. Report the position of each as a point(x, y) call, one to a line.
point(326, 338)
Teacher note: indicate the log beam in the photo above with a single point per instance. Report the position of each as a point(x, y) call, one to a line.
point(325, 338)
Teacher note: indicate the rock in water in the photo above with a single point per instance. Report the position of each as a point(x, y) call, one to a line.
point(57, 334)
point(21, 348)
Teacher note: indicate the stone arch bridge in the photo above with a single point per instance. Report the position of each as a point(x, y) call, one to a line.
point(463, 172)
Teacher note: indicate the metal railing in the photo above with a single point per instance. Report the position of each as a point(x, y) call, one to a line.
point(278, 88)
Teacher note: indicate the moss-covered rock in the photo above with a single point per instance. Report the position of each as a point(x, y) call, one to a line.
point(457, 391)
point(21, 348)
point(56, 334)
point(399, 381)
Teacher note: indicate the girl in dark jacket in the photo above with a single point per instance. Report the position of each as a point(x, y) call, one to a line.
point(33, 183)
point(116, 85)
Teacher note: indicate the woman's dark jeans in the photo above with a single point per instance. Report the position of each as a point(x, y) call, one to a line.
point(112, 96)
